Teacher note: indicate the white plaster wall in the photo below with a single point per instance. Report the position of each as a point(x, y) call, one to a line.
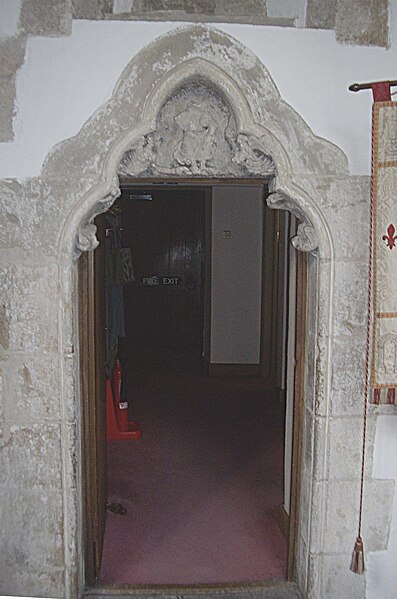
point(236, 269)
point(382, 571)
point(290, 375)
point(65, 79)
point(285, 325)
point(61, 84)
point(9, 13)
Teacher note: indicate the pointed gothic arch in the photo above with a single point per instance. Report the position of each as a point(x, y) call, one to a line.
point(85, 169)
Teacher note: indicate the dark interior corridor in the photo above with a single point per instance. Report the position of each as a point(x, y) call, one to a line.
point(203, 485)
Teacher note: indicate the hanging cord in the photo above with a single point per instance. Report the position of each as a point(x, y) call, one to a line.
point(358, 564)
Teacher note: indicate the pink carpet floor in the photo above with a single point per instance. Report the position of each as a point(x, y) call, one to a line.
point(202, 487)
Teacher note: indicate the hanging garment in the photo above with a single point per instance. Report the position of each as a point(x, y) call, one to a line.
point(114, 315)
point(119, 269)
point(119, 272)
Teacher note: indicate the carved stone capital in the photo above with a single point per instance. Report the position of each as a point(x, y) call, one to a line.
point(86, 239)
point(109, 198)
point(306, 239)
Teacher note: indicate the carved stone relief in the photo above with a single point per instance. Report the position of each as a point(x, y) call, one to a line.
point(306, 239)
point(196, 136)
point(86, 239)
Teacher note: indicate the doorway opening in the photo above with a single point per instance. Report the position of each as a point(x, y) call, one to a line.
point(205, 327)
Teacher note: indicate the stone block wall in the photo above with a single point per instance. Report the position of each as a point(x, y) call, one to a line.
point(31, 411)
point(12, 55)
point(363, 22)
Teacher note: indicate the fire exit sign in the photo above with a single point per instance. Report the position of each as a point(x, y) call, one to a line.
point(157, 280)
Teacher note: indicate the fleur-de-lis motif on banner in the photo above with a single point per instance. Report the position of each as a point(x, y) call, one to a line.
point(390, 238)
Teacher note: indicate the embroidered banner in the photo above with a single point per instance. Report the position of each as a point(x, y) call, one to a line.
point(384, 253)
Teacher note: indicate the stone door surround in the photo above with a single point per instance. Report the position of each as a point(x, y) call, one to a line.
point(196, 103)
point(193, 103)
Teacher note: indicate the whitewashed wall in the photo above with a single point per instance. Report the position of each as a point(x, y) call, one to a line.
point(60, 86)
point(9, 12)
point(236, 274)
point(64, 80)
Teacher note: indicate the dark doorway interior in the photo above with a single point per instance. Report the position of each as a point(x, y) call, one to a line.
point(203, 486)
point(164, 307)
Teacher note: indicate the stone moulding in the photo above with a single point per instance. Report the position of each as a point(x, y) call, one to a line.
point(239, 146)
point(306, 239)
point(86, 239)
point(193, 85)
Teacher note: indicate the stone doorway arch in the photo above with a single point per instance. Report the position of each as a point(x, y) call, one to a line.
point(263, 137)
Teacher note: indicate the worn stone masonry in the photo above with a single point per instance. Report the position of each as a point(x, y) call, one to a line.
point(363, 22)
point(46, 222)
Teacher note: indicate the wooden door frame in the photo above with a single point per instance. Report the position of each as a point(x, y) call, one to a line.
point(88, 376)
point(297, 427)
point(87, 390)
point(270, 279)
point(274, 297)
point(92, 385)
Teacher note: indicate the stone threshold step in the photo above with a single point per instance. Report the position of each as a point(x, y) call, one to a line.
point(281, 590)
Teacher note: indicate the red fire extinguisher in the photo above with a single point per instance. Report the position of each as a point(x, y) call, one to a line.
point(120, 404)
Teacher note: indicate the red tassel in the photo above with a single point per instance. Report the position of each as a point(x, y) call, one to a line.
point(357, 565)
